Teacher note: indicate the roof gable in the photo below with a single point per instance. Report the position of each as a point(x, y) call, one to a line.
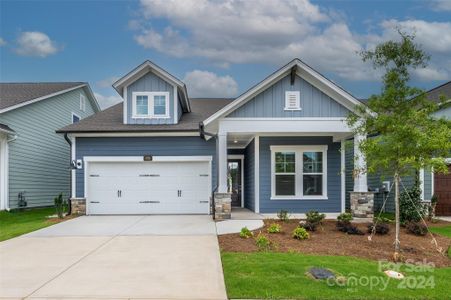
point(300, 69)
point(18, 94)
point(147, 67)
point(270, 103)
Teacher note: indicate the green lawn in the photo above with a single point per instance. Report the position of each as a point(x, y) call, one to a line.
point(269, 275)
point(16, 223)
point(443, 230)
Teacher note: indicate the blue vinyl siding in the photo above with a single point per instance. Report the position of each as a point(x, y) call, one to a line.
point(138, 146)
point(271, 102)
point(39, 158)
point(249, 178)
point(331, 205)
point(151, 83)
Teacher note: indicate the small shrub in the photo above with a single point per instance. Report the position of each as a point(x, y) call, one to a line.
point(349, 228)
point(245, 233)
point(382, 219)
point(300, 233)
point(416, 228)
point(59, 205)
point(274, 228)
point(410, 207)
point(381, 228)
point(262, 242)
point(283, 215)
point(314, 218)
point(345, 217)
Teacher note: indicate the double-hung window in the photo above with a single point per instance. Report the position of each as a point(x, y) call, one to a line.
point(150, 105)
point(298, 172)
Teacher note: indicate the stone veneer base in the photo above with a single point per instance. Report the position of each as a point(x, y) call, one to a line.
point(362, 204)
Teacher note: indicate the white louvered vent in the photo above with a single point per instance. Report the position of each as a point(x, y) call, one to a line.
point(292, 100)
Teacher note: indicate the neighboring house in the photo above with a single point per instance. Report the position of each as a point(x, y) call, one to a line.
point(277, 146)
point(430, 183)
point(34, 160)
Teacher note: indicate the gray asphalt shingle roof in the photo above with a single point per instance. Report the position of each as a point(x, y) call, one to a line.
point(12, 94)
point(111, 119)
point(437, 92)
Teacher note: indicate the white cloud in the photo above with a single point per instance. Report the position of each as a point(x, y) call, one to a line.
point(2, 42)
point(107, 82)
point(441, 5)
point(274, 32)
point(34, 43)
point(107, 101)
point(208, 84)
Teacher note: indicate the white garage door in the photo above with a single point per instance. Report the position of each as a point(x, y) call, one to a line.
point(148, 187)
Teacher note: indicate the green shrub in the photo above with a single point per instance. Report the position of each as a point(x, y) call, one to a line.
point(59, 205)
point(300, 233)
point(349, 228)
point(416, 228)
point(245, 233)
point(345, 217)
point(381, 228)
point(283, 215)
point(410, 207)
point(262, 242)
point(274, 228)
point(314, 218)
point(449, 252)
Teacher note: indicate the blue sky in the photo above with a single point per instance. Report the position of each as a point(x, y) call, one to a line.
point(219, 49)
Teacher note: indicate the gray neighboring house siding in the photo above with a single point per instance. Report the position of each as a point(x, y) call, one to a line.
point(151, 83)
point(139, 146)
point(331, 205)
point(271, 102)
point(39, 157)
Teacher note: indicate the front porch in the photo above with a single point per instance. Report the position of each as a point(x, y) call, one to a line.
point(265, 172)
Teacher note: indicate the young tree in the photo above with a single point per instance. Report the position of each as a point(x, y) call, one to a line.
point(403, 134)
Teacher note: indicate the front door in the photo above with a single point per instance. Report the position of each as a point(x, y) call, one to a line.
point(442, 188)
point(234, 180)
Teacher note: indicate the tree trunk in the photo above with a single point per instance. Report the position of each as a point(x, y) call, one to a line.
point(397, 243)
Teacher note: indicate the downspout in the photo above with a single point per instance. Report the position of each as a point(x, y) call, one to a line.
point(69, 204)
point(8, 140)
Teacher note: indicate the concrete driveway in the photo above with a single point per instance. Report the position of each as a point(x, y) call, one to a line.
point(122, 257)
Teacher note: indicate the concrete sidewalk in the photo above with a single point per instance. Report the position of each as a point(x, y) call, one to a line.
point(122, 257)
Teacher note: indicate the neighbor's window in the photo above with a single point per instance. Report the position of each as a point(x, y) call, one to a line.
point(285, 173)
point(151, 105)
point(305, 179)
point(82, 102)
point(312, 178)
point(75, 118)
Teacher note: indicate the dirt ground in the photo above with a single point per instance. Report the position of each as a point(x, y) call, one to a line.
point(327, 240)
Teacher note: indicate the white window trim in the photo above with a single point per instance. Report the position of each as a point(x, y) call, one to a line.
point(298, 94)
point(72, 118)
point(299, 171)
point(150, 103)
point(82, 102)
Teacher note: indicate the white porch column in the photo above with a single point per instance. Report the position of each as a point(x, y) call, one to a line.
point(360, 178)
point(221, 145)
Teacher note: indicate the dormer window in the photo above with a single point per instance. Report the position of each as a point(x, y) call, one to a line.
point(292, 100)
point(150, 105)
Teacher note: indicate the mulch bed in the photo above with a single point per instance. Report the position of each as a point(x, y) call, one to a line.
point(329, 241)
point(58, 220)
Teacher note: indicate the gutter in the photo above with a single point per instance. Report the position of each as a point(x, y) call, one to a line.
point(204, 133)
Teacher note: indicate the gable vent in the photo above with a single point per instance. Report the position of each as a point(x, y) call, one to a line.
point(292, 100)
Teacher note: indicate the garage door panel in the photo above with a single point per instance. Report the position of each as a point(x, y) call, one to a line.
point(149, 188)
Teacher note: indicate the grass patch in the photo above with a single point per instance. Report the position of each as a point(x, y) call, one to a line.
point(442, 230)
point(15, 223)
point(270, 275)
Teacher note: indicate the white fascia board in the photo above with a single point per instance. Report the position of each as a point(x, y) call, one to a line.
point(88, 90)
point(320, 125)
point(132, 134)
point(42, 98)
